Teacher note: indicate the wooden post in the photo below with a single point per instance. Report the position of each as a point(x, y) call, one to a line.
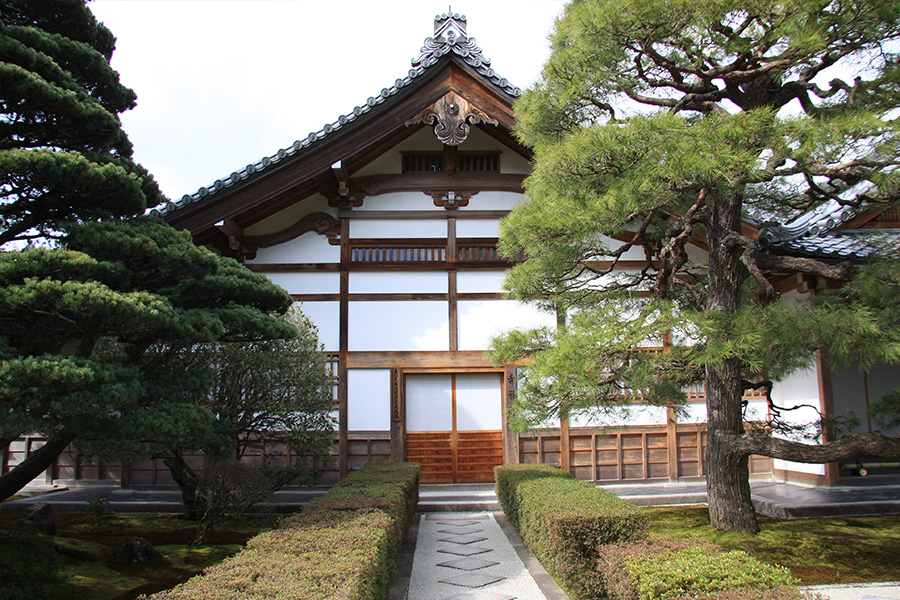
point(344, 337)
point(398, 419)
point(826, 407)
point(510, 437)
point(672, 443)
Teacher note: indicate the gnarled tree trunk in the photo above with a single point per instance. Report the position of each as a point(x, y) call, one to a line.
point(727, 478)
point(36, 463)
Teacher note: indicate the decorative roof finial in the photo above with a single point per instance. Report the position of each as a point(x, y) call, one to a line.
point(450, 26)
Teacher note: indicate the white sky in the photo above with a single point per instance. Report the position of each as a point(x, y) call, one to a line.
point(222, 83)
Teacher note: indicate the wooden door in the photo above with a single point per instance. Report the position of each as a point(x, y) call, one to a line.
point(454, 426)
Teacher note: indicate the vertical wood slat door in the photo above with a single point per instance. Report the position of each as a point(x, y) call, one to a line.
point(453, 425)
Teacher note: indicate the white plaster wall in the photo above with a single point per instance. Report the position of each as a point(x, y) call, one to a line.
point(308, 248)
point(290, 215)
point(369, 399)
point(400, 201)
point(308, 282)
point(479, 281)
point(493, 201)
point(799, 388)
point(398, 228)
point(696, 413)
point(477, 228)
point(326, 317)
point(634, 414)
point(399, 325)
point(481, 320)
point(382, 282)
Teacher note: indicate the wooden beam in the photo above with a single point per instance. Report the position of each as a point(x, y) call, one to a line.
point(410, 360)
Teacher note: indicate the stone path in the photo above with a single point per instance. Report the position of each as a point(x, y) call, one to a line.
point(467, 556)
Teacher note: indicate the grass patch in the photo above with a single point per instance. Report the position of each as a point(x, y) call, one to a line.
point(816, 551)
point(88, 546)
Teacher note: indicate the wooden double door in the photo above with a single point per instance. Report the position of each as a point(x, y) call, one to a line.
point(454, 426)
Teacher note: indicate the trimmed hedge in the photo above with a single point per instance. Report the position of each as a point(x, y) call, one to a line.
point(670, 569)
point(565, 522)
point(342, 546)
point(507, 479)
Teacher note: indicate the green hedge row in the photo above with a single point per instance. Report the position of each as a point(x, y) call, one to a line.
point(669, 569)
point(565, 522)
point(342, 546)
point(595, 544)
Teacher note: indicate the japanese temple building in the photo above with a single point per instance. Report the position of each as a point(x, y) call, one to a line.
point(383, 225)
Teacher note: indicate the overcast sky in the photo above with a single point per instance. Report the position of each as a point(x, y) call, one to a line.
point(222, 83)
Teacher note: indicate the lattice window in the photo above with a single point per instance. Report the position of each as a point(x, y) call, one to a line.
point(422, 161)
point(397, 254)
point(479, 161)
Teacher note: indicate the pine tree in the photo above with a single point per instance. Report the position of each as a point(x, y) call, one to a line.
point(664, 123)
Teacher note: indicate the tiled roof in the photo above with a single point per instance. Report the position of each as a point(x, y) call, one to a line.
point(816, 234)
point(450, 38)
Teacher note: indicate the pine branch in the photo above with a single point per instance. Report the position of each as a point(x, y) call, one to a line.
point(855, 444)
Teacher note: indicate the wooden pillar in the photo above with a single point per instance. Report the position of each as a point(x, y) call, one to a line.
point(565, 448)
point(672, 443)
point(826, 407)
point(510, 437)
point(452, 304)
point(344, 336)
point(398, 417)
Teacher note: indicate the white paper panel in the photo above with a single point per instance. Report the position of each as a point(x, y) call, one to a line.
point(481, 320)
point(384, 282)
point(326, 316)
point(308, 248)
point(429, 403)
point(398, 228)
point(479, 281)
point(478, 402)
point(308, 282)
point(397, 325)
point(477, 228)
point(369, 399)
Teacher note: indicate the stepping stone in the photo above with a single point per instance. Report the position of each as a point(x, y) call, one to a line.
point(459, 523)
point(472, 580)
point(480, 596)
point(468, 564)
point(461, 530)
point(466, 550)
point(445, 517)
point(463, 539)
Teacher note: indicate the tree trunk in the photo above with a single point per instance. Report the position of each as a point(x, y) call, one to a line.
point(728, 473)
point(36, 463)
point(189, 483)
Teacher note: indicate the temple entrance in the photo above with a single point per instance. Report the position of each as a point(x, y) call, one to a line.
point(454, 426)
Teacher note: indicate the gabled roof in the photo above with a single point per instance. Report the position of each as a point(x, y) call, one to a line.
point(450, 43)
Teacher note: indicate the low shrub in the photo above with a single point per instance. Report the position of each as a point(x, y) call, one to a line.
point(29, 564)
point(340, 547)
point(565, 522)
point(668, 569)
point(507, 479)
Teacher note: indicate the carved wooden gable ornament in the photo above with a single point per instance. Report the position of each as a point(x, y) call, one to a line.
point(451, 117)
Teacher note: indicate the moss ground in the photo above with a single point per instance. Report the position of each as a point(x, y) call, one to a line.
point(817, 551)
point(89, 545)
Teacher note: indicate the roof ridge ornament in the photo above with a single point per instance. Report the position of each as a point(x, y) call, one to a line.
point(450, 28)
